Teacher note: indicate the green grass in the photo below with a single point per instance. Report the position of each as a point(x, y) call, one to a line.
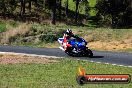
point(2, 27)
point(104, 34)
point(127, 50)
point(56, 75)
point(13, 23)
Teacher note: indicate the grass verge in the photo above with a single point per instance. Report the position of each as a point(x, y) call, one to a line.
point(2, 27)
point(61, 74)
point(46, 35)
point(127, 50)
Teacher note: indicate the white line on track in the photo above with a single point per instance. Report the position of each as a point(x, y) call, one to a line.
point(91, 61)
point(115, 64)
point(13, 53)
point(107, 63)
point(98, 62)
point(129, 66)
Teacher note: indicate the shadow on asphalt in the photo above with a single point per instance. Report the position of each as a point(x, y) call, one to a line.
point(90, 57)
point(97, 57)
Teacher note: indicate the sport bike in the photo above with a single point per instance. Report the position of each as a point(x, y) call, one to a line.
point(75, 47)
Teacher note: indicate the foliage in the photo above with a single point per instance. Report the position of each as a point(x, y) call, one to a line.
point(2, 27)
point(114, 12)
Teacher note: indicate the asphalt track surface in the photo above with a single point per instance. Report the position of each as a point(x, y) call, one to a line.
point(118, 58)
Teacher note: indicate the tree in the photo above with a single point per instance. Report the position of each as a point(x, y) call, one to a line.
point(76, 12)
point(59, 9)
point(3, 7)
point(114, 12)
point(29, 5)
point(76, 15)
point(22, 11)
point(54, 12)
point(52, 5)
point(67, 1)
point(86, 3)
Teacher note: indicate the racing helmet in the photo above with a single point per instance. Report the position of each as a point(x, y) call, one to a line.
point(69, 32)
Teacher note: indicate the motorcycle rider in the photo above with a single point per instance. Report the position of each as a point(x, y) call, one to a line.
point(68, 34)
point(75, 46)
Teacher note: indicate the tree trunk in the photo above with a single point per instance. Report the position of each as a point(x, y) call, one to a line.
point(4, 13)
point(67, 8)
point(53, 12)
point(59, 9)
point(23, 7)
point(37, 9)
point(86, 9)
point(29, 6)
point(22, 11)
point(21, 2)
point(76, 15)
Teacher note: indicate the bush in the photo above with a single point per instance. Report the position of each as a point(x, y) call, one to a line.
point(2, 27)
point(48, 38)
point(117, 13)
point(51, 36)
point(13, 23)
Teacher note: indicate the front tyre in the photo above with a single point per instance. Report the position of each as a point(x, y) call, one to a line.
point(89, 53)
point(69, 51)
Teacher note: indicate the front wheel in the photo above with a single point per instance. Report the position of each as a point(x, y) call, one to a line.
point(69, 51)
point(89, 53)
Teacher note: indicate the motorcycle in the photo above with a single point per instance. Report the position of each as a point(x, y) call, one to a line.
point(75, 47)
